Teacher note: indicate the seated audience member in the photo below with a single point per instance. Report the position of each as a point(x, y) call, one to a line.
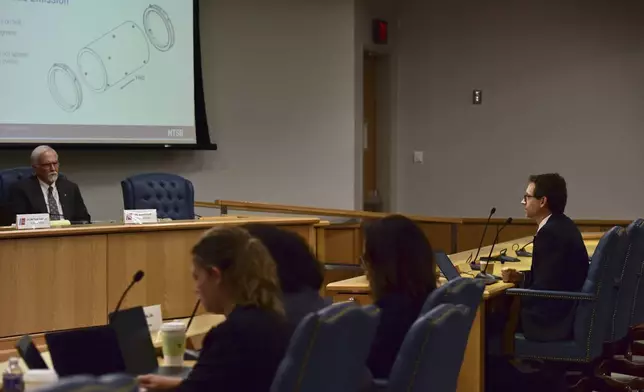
point(300, 274)
point(400, 267)
point(45, 192)
point(234, 275)
point(559, 261)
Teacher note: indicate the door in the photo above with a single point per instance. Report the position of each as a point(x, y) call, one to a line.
point(371, 199)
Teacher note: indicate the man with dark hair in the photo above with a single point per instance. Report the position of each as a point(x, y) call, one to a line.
point(559, 261)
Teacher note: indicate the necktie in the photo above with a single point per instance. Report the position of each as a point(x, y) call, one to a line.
point(54, 214)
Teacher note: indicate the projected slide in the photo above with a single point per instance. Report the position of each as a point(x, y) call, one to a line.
point(97, 71)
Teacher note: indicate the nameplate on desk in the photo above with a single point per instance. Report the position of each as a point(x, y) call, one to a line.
point(153, 317)
point(32, 221)
point(139, 217)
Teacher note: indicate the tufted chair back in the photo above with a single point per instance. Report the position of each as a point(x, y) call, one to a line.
point(171, 195)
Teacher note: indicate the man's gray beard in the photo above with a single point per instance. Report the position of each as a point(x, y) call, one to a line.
point(53, 177)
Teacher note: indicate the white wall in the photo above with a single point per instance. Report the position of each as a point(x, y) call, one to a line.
point(563, 90)
point(279, 80)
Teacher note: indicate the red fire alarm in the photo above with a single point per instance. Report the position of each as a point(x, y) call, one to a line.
point(380, 32)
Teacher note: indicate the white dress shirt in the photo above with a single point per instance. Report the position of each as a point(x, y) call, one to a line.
point(45, 192)
point(543, 222)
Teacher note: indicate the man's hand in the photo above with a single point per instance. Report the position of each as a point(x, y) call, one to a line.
point(510, 275)
point(153, 382)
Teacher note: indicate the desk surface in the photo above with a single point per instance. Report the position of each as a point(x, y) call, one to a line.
point(200, 326)
point(360, 285)
point(111, 228)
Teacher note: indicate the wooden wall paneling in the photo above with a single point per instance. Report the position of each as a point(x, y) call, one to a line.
point(52, 283)
point(166, 260)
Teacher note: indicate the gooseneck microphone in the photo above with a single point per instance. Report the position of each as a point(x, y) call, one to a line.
point(192, 316)
point(483, 274)
point(191, 355)
point(135, 279)
point(487, 223)
point(521, 252)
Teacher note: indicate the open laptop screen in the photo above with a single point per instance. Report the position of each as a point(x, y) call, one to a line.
point(446, 266)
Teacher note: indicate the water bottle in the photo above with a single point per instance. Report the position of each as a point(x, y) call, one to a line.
point(12, 380)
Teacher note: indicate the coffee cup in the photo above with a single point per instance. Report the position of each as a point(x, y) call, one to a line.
point(173, 335)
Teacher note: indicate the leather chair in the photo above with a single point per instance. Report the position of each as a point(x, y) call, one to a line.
point(8, 177)
point(595, 306)
point(328, 350)
point(107, 383)
point(463, 291)
point(429, 359)
point(617, 353)
point(171, 195)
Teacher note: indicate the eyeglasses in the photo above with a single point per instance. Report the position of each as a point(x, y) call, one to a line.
point(48, 164)
point(526, 197)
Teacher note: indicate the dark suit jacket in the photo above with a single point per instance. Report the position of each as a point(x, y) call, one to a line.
point(26, 197)
point(559, 262)
point(397, 314)
point(240, 354)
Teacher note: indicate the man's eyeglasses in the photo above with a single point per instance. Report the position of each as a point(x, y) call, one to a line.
point(526, 197)
point(48, 164)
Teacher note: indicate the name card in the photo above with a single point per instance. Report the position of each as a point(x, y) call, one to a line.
point(153, 317)
point(32, 221)
point(139, 217)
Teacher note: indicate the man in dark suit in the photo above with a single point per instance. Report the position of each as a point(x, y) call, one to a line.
point(45, 192)
point(559, 261)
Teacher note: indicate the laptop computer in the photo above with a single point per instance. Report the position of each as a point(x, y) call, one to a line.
point(446, 266)
point(30, 354)
point(135, 342)
point(92, 350)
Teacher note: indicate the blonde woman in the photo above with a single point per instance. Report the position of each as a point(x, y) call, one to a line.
point(235, 276)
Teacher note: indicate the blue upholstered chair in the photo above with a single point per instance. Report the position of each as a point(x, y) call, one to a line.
point(463, 291)
point(427, 360)
point(7, 178)
point(630, 279)
point(328, 350)
point(171, 195)
point(108, 383)
point(595, 308)
point(617, 350)
point(10, 176)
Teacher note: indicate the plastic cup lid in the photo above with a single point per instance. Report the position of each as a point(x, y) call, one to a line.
point(173, 326)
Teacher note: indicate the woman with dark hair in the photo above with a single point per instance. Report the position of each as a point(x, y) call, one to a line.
point(299, 272)
point(234, 275)
point(400, 267)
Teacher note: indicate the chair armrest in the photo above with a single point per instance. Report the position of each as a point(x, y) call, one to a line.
point(380, 384)
point(569, 295)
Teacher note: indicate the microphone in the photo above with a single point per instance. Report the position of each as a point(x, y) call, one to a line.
point(489, 279)
point(135, 279)
point(487, 223)
point(522, 252)
point(192, 355)
point(192, 316)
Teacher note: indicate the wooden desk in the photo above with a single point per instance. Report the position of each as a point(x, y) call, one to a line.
point(450, 234)
point(71, 277)
point(472, 374)
point(200, 326)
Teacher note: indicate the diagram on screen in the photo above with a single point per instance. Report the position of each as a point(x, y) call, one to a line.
point(112, 59)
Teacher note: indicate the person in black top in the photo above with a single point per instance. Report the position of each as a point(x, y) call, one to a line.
point(299, 272)
point(559, 261)
point(46, 192)
point(235, 276)
point(401, 270)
